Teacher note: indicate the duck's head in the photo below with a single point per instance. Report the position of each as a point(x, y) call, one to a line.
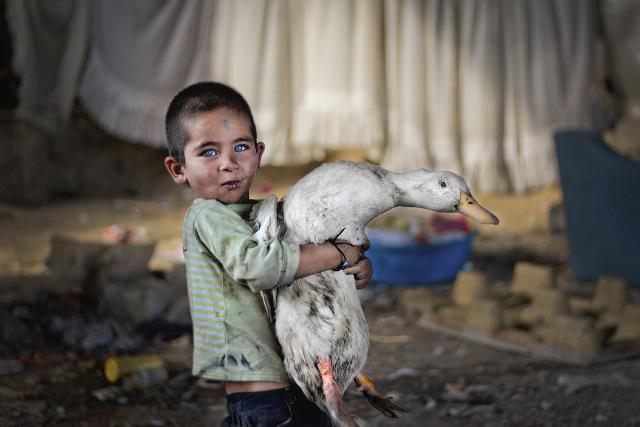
point(444, 191)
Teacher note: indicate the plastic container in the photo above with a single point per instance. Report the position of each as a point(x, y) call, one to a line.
point(415, 264)
point(145, 379)
point(121, 366)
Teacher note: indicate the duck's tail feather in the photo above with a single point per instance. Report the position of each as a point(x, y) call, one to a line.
point(376, 399)
point(333, 396)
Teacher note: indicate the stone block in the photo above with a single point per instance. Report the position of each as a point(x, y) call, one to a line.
point(629, 325)
point(127, 261)
point(178, 311)
point(70, 259)
point(546, 303)
point(137, 301)
point(516, 336)
point(452, 316)
point(581, 305)
point(571, 332)
point(612, 294)
point(470, 286)
point(484, 315)
point(528, 278)
point(413, 302)
point(511, 316)
point(177, 276)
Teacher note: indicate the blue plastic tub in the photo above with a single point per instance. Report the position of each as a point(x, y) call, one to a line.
point(419, 264)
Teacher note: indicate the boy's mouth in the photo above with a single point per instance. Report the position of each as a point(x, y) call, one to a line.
point(231, 185)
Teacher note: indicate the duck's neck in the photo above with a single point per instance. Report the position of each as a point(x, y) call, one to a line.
point(412, 189)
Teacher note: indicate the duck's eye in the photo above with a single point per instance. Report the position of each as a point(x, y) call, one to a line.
point(443, 184)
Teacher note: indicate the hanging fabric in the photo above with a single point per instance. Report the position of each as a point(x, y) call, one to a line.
point(479, 87)
point(548, 63)
point(337, 75)
point(622, 32)
point(250, 51)
point(143, 53)
point(49, 44)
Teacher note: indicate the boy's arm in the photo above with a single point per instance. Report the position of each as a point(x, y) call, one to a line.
point(325, 256)
point(230, 240)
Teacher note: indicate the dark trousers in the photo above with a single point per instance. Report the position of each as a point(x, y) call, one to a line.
point(283, 407)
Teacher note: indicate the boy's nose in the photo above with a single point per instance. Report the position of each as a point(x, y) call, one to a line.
point(228, 162)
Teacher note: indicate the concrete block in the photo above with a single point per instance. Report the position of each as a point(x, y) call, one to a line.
point(470, 286)
point(581, 305)
point(511, 316)
point(516, 336)
point(413, 302)
point(612, 294)
point(127, 261)
point(545, 303)
point(629, 325)
point(528, 278)
point(137, 301)
point(177, 276)
point(452, 316)
point(571, 332)
point(178, 311)
point(70, 259)
point(484, 315)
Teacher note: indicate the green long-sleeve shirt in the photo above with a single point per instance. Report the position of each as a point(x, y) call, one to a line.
point(226, 268)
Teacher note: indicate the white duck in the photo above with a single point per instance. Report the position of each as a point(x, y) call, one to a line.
point(319, 321)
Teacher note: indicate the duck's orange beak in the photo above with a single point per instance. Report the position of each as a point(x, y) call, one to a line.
point(474, 210)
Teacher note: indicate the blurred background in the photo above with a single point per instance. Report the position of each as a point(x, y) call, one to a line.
point(535, 103)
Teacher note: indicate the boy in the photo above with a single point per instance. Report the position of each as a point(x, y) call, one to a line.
point(213, 148)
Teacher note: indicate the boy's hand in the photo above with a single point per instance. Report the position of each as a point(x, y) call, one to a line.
point(351, 253)
point(361, 271)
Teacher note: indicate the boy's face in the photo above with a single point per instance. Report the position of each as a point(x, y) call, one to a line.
point(221, 157)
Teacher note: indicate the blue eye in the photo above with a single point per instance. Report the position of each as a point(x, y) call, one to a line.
point(209, 152)
point(240, 147)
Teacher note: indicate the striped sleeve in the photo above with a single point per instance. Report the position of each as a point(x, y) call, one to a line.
point(230, 240)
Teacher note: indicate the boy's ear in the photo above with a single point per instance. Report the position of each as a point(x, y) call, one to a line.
point(176, 171)
point(260, 148)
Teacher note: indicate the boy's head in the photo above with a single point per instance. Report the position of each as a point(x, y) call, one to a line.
point(212, 142)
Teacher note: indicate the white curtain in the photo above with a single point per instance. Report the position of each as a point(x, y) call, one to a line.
point(143, 53)
point(473, 86)
point(49, 43)
point(338, 80)
point(250, 51)
point(623, 35)
point(479, 87)
point(310, 69)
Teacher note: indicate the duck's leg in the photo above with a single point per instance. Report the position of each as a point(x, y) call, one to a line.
point(333, 395)
point(377, 400)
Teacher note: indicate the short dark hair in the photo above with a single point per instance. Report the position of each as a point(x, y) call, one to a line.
point(201, 98)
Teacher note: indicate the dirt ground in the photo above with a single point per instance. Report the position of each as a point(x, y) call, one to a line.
point(441, 380)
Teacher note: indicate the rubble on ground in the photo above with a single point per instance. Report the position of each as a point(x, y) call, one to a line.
point(535, 314)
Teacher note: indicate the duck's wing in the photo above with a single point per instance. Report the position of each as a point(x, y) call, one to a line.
point(264, 220)
point(269, 303)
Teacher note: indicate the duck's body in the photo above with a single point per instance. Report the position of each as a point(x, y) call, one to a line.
point(319, 317)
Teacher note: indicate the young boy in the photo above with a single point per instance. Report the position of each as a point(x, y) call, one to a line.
point(213, 148)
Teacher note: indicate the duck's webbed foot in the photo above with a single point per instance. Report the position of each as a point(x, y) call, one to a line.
point(376, 399)
point(333, 395)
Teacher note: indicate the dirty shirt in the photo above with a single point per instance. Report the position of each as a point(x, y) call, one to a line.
point(226, 269)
